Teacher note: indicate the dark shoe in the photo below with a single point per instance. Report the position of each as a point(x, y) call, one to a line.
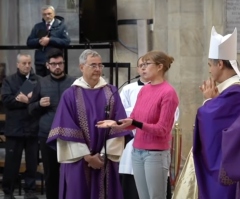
point(30, 195)
point(9, 197)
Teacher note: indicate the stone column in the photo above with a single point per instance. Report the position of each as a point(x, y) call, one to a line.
point(185, 44)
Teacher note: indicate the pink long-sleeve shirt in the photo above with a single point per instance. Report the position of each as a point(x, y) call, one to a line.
point(155, 108)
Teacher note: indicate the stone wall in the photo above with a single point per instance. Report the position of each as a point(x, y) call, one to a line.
point(181, 28)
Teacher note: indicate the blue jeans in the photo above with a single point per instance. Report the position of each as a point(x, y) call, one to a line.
point(150, 170)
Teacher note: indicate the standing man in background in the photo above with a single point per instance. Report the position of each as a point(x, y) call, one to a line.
point(50, 33)
point(20, 129)
point(44, 102)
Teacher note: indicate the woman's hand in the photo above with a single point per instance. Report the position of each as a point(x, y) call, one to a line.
point(124, 123)
point(121, 124)
point(106, 124)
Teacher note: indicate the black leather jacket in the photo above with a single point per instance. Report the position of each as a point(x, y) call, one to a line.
point(18, 121)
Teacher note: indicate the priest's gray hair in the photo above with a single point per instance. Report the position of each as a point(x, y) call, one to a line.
point(48, 7)
point(83, 57)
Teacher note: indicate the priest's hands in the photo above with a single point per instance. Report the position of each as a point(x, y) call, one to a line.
point(209, 89)
point(106, 124)
point(94, 161)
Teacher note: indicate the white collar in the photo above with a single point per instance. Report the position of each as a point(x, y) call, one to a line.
point(51, 23)
point(230, 81)
point(27, 76)
point(82, 83)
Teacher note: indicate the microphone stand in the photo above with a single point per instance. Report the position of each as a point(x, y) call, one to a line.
point(107, 131)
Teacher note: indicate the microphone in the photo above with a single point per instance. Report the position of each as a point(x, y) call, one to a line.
point(107, 108)
point(107, 114)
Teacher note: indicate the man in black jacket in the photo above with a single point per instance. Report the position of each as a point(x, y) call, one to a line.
point(50, 33)
point(20, 129)
point(44, 102)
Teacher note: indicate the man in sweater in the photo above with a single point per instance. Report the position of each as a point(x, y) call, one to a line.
point(20, 129)
point(44, 102)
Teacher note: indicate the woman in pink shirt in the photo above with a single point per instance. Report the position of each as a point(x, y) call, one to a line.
point(153, 118)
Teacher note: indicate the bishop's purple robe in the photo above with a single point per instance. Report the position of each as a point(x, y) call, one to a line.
point(78, 112)
point(230, 172)
point(212, 118)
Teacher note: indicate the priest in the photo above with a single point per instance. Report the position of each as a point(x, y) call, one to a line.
point(219, 111)
point(80, 144)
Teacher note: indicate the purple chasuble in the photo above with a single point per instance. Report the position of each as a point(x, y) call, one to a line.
point(212, 118)
point(78, 112)
point(229, 173)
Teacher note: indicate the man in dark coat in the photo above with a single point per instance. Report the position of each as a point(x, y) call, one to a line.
point(50, 33)
point(20, 129)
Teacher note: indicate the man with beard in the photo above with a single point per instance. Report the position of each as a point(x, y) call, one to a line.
point(44, 103)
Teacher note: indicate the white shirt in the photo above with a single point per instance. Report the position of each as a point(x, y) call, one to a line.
point(128, 96)
point(51, 23)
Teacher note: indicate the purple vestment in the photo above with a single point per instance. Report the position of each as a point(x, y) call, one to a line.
point(212, 118)
point(78, 112)
point(230, 173)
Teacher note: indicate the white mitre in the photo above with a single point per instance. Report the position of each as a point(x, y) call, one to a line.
point(224, 48)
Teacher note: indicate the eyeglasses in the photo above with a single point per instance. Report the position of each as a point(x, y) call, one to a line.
point(95, 66)
point(54, 64)
point(145, 65)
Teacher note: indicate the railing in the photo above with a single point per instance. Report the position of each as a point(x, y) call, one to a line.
point(111, 65)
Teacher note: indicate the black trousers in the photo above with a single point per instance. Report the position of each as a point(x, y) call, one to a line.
point(130, 190)
point(169, 189)
point(14, 149)
point(51, 169)
point(128, 186)
point(41, 70)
